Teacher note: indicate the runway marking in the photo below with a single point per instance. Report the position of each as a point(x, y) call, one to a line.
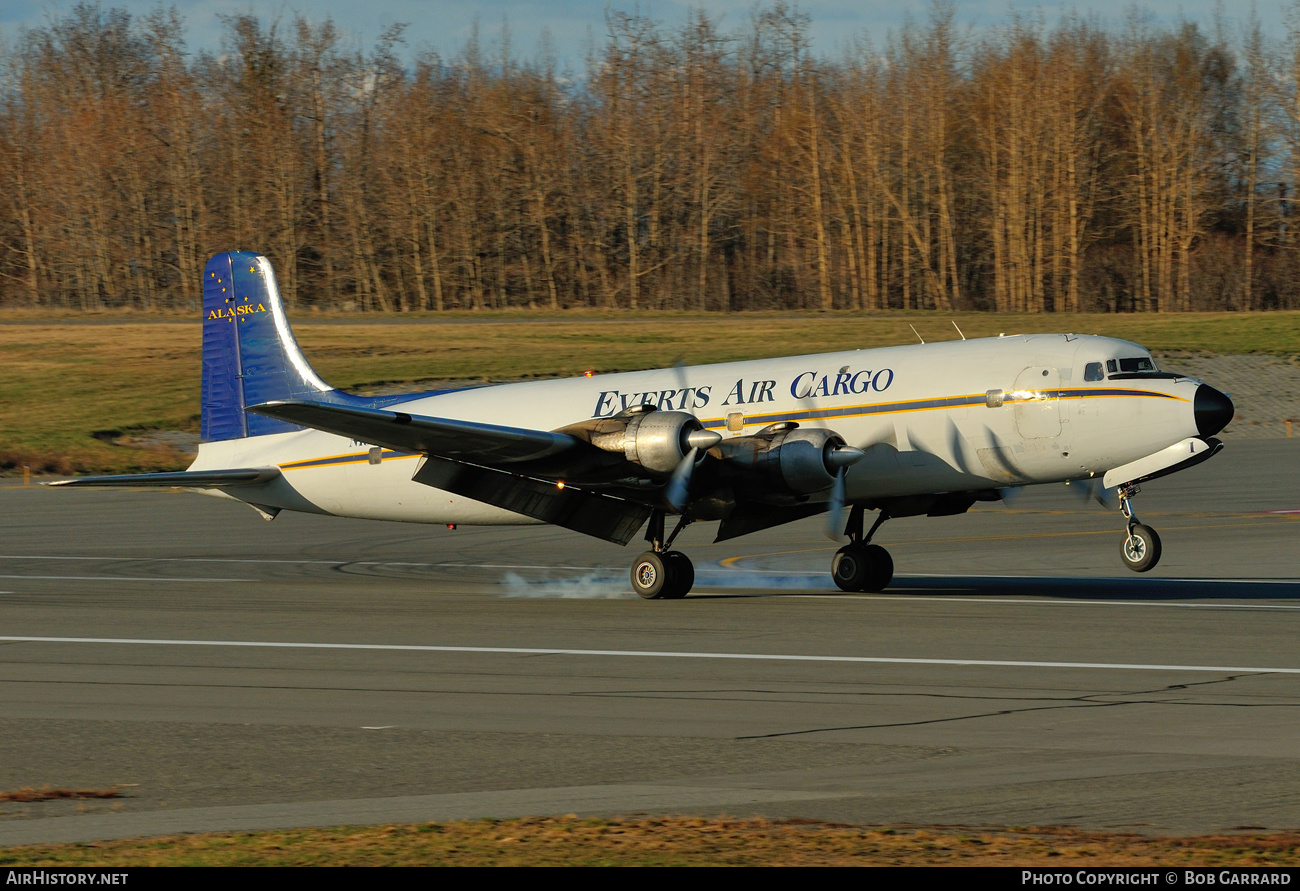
point(115, 578)
point(651, 654)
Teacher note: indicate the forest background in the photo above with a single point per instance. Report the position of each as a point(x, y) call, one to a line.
point(1081, 167)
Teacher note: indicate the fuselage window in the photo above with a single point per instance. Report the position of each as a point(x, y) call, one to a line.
point(1092, 372)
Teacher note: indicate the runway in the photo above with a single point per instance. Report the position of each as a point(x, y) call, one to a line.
point(226, 673)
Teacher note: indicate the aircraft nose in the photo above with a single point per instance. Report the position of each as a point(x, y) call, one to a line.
point(1213, 410)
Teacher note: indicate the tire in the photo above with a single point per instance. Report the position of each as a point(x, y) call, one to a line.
point(1140, 549)
point(650, 576)
point(681, 575)
point(880, 569)
point(849, 567)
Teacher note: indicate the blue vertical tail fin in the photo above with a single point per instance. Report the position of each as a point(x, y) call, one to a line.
point(249, 352)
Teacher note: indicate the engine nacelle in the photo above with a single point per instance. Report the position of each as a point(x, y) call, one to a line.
point(802, 457)
point(657, 440)
point(804, 460)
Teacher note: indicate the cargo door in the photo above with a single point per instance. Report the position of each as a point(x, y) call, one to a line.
point(1037, 402)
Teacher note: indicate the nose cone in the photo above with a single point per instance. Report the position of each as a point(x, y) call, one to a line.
point(1213, 410)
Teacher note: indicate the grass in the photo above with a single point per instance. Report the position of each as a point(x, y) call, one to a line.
point(668, 841)
point(71, 388)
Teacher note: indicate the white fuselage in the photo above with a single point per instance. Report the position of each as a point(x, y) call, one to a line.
point(929, 416)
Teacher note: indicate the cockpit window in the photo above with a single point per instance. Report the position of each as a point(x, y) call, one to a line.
point(1130, 366)
point(1137, 367)
point(1092, 372)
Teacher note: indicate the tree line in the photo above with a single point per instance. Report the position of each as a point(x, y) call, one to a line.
point(1082, 167)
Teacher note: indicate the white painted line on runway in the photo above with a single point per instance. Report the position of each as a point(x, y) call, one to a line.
point(649, 654)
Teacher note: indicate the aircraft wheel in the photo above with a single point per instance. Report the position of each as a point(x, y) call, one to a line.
point(681, 575)
point(650, 576)
point(1140, 548)
point(849, 567)
point(880, 569)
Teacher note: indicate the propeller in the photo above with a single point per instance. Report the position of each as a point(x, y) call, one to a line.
point(840, 457)
point(678, 489)
point(1095, 490)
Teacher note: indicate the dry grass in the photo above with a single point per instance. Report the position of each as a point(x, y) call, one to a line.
point(670, 841)
point(62, 383)
point(45, 793)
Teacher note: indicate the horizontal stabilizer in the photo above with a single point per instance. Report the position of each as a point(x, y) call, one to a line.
point(489, 444)
point(198, 479)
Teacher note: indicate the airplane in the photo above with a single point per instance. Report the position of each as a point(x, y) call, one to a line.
point(921, 429)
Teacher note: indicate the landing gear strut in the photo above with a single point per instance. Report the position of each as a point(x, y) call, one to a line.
point(661, 574)
point(1140, 549)
point(860, 565)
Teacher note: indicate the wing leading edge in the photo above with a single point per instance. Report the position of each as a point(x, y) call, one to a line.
point(490, 444)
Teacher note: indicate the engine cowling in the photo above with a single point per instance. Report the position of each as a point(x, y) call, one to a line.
point(802, 457)
point(802, 460)
point(657, 440)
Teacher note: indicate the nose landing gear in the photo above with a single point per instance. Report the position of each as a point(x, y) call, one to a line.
point(860, 565)
point(661, 574)
point(1140, 548)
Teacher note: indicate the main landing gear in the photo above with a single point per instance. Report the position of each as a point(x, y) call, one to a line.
point(661, 574)
point(1140, 549)
point(860, 565)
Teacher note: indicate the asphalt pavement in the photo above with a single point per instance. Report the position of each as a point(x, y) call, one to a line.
point(224, 673)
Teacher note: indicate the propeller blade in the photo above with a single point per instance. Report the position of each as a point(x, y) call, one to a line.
point(1107, 498)
point(835, 509)
point(1094, 490)
point(679, 372)
point(1010, 494)
point(678, 489)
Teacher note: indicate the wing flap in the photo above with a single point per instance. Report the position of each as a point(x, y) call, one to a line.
point(591, 513)
point(461, 440)
point(751, 518)
point(185, 479)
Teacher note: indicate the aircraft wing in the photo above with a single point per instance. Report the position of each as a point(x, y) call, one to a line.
point(490, 444)
point(487, 462)
point(198, 479)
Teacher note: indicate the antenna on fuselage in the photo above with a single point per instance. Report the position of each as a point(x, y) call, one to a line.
point(954, 324)
point(917, 333)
